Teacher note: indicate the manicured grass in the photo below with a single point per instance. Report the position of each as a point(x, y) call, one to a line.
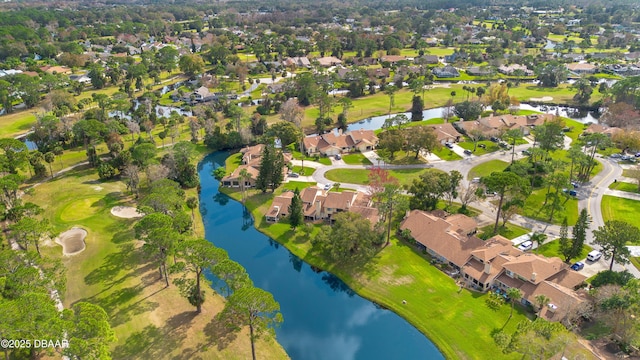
point(533, 208)
point(446, 154)
point(635, 261)
point(233, 162)
point(624, 186)
point(615, 208)
point(149, 320)
point(307, 171)
point(406, 158)
point(510, 231)
point(17, 123)
point(400, 272)
point(552, 249)
point(490, 147)
point(356, 159)
point(361, 176)
point(297, 155)
point(486, 168)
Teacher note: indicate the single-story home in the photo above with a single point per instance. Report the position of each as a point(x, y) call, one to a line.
point(330, 144)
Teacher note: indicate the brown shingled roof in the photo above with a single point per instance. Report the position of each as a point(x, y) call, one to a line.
point(534, 268)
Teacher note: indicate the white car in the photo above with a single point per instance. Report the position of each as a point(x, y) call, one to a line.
point(328, 186)
point(594, 255)
point(527, 245)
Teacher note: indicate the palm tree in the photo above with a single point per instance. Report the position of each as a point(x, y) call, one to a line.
point(391, 91)
point(515, 295)
point(538, 238)
point(541, 302)
point(244, 177)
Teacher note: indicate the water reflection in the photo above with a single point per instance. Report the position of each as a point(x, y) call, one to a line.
point(247, 219)
point(336, 284)
point(296, 262)
point(221, 199)
point(363, 315)
point(304, 345)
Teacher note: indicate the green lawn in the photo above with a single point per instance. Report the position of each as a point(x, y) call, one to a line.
point(446, 154)
point(490, 147)
point(624, 186)
point(552, 249)
point(635, 261)
point(510, 231)
point(361, 176)
point(533, 208)
point(486, 168)
point(307, 171)
point(621, 209)
point(297, 155)
point(356, 159)
point(232, 162)
point(406, 158)
point(435, 305)
point(113, 273)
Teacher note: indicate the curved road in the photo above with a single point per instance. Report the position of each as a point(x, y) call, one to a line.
point(589, 194)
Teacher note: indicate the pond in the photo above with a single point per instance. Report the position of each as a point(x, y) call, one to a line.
point(376, 122)
point(323, 317)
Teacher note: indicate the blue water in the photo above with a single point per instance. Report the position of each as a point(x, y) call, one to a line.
point(323, 318)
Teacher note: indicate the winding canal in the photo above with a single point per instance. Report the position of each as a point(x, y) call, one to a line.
point(323, 318)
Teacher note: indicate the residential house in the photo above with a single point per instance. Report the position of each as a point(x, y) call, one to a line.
point(582, 68)
point(298, 61)
point(380, 73)
point(511, 69)
point(56, 69)
point(446, 133)
point(479, 71)
point(330, 144)
point(445, 72)
point(496, 125)
point(495, 263)
point(575, 57)
point(251, 162)
point(392, 59)
point(328, 61)
point(319, 204)
point(602, 129)
point(202, 94)
point(427, 59)
point(279, 207)
point(366, 61)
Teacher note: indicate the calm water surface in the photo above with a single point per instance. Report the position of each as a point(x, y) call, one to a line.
point(323, 318)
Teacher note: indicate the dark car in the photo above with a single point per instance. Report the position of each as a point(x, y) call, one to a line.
point(573, 193)
point(526, 152)
point(449, 145)
point(467, 152)
point(577, 266)
point(494, 139)
point(294, 175)
point(482, 146)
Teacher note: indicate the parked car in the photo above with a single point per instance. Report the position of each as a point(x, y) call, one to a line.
point(294, 175)
point(526, 152)
point(449, 145)
point(575, 184)
point(573, 193)
point(638, 154)
point(527, 245)
point(337, 157)
point(594, 255)
point(467, 152)
point(482, 146)
point(616, 156)
point(475, 180)
point(494, 139)
point(328, 186)
point(577, 266)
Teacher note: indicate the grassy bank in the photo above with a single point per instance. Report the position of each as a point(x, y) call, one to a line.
point(615, 208)
point(150, 321)
point(457, 321)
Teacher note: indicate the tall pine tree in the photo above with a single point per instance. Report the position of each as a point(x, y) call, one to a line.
point(566, 248)
point(266, 164)
point(580, 232)
point(295, 210)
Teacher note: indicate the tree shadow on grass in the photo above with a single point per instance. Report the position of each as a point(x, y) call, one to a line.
point(126, 258)
point(222, 330)
point(123, 236)
point(157, 342)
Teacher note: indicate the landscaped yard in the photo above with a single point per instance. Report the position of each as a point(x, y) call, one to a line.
point(356, 159)
point(490, 147)
point(533, 208)
point(486, 168)
point(447, 154)
point(400, 272)
point(297, 155)
point(624, 186)
point(306, 171)
point(615, 208)
point(361, 176)
point(510, 231)
point(552, 249)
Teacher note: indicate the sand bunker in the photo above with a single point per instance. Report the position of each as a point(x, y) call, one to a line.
point(126, 212)
point(72, 241)
point(542, 99)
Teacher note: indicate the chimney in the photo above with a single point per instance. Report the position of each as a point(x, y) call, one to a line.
point(318, 209)
point(339, 132)
point(348, 205)
point(533, 276)
point(487, 268)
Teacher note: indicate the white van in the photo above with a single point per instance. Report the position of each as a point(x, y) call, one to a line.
point(595, 255)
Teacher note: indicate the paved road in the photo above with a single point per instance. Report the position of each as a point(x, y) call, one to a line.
point(589, 194)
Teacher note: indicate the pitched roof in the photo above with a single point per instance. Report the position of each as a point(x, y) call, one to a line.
point(441, 236)
point(280, 205)
point(535, 268)
point(339, 200)
point(445, 131)
point(368, 213)
point(251, 169)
